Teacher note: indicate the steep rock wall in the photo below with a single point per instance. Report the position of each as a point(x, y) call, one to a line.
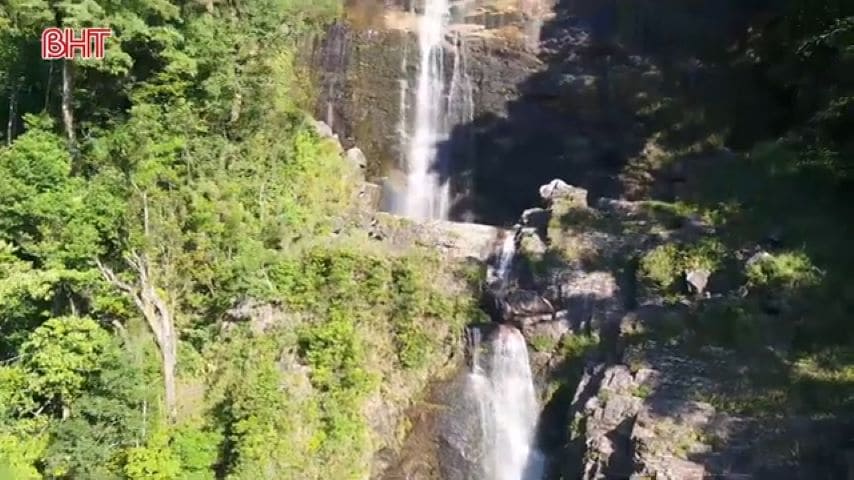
point(578, 89)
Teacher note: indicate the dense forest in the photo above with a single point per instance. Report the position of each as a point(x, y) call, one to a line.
point(146, 198)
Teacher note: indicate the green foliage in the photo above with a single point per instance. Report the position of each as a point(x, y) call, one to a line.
point(574, 347)
point(18, 456)
point(155, 460)
point(197, 450)
point(194, 151)
point(784, 271)
point(61, 355)
point(662, 267)
point(543, 343)
point(343, 304)
point(729, 323)
point(269, 413)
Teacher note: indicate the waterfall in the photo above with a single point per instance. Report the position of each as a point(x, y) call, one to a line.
point(502, 385)
point(426, 196)
point(403, 111)
point(460, 92)
point(440, 102)
point(505, 257)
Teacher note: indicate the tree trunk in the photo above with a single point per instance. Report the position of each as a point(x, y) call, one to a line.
point(67, 99)
point(169, 352)
point(10, 124)
point(159, 317)
point(48, 85)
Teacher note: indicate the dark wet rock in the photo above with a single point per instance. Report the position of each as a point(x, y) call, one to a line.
point(526, 303)
point(537, 218)
point(516, 306)
point(357, 69)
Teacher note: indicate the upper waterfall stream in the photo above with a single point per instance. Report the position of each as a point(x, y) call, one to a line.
point(441, 100)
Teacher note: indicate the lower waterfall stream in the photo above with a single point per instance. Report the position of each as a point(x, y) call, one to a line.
point(502, 385)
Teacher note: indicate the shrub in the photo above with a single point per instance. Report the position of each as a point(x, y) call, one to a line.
point(663, 266)
point(789, 271)
point(660, 266)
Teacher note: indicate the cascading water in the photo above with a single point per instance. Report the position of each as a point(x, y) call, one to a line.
point(439, 103)
point(502, 384)
point(426, 196)
point(505, 257)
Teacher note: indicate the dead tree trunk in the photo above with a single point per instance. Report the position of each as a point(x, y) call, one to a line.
point(13, 105)
point(157, 314)
point(68, 101)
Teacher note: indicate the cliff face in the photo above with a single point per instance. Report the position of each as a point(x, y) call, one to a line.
point(359, 72)
point(575, 89)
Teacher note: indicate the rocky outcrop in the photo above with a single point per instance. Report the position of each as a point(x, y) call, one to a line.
point(643, 420)
point(454, 240)
point(649, 402)
point(557, 189)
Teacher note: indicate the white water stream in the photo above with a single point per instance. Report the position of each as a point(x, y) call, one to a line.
point(503, 386)
point(440, 102)
point(505, 257)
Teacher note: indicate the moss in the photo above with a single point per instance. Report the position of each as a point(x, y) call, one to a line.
point(642, 391)
point(823, 381)
point(543, 343)
point(575, 347)
point(577, 427)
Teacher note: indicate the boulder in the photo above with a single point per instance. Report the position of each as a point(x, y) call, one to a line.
point(558, 189)
point(322, 129)
point(553, 327)
point(696, 280)
point(621, 208)
point(526, 303)
point(369, 195)
point(356, 158)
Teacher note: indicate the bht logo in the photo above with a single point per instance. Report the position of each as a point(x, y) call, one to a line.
point(60, 43)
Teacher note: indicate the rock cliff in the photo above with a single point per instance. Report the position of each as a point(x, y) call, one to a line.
point(642, 386)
